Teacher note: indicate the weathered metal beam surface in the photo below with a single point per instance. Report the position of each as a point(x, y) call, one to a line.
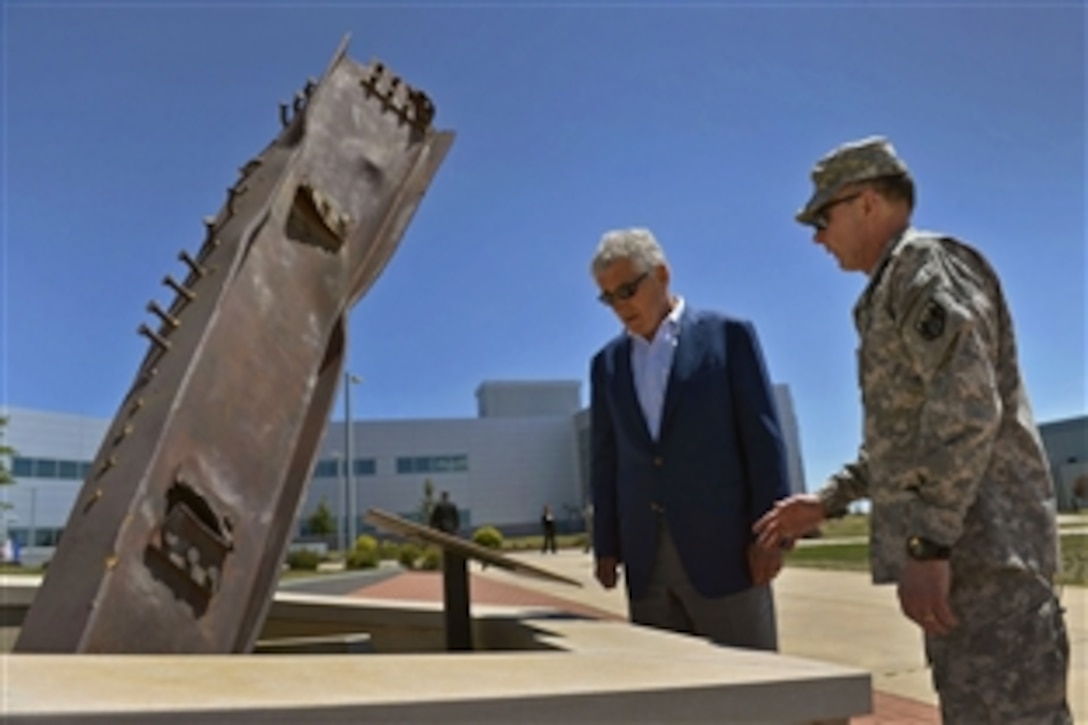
point(178, 534)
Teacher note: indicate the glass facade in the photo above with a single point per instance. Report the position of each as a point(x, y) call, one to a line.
point(329, 468)
point(49, 468)
point(333, 467)
point(42, 537)
point(433, 464)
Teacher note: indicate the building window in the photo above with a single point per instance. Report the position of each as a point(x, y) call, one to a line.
point(432, 464)
point(329, 468)
point(45, 468)
point(49, 468)
point(46, 537)
point(332, 468)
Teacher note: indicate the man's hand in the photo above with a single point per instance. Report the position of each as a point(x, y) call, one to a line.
point(923, 595)
point(606, 571)
point(789, 519)
point(764, 564)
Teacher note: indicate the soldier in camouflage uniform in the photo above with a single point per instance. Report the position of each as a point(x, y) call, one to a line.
point(963, 509)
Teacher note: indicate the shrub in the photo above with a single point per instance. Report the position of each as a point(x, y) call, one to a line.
point(364, 554)
point(388, 550)
point(408, 555)
point(488, 536)
point(431, 559)
point(366, 543)
point(303, 559)
point(362, 558)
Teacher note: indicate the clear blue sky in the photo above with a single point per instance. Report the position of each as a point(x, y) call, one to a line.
point(123, 124)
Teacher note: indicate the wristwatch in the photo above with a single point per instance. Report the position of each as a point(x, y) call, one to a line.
point(921, 549)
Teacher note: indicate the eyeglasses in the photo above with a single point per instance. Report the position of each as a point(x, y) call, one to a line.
point(821, 219)
point(625, 291)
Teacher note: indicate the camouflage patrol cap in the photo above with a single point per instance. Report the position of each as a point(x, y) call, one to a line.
point(869, 158)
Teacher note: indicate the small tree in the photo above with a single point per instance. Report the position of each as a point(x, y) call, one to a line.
point(5, 452)
point(321, 521)
point(427, 504)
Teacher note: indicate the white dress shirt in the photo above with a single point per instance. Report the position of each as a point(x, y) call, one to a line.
point(651, 362)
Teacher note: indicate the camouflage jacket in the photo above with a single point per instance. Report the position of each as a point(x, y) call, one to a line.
point(951, 452)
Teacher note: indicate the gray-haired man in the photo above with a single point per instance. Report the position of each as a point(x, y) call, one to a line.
point(686, 453)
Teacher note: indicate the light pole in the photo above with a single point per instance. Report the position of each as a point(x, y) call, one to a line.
point(341, 508)
point(349, 484)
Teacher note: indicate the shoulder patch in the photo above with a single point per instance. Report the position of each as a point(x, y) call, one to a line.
point(930, 324)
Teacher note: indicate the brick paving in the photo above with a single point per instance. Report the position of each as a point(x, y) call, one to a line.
point(891, 709)
point(427, 586)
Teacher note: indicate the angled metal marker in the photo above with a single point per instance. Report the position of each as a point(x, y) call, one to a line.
point(456, 553)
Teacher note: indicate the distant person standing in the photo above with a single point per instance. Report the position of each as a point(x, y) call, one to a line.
point(963, 507)
point(444, 515)
point(547, 523)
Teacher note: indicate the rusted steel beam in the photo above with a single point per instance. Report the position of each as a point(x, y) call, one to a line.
point(177, 537)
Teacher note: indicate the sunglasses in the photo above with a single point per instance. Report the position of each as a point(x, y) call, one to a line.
point(820, 219)
point(625, 291)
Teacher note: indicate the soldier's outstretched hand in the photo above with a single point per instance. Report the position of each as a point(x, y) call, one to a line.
point(788, 520)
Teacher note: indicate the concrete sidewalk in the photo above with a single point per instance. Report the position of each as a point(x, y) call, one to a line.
point(495, 587)
point(831, 616)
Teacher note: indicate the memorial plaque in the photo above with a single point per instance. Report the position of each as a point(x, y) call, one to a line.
point(464, 547)
point(456, 553)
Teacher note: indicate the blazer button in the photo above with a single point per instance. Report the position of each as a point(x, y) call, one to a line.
point(658, 461)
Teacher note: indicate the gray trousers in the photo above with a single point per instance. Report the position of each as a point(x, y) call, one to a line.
point(745, 619)
point(1008, 660)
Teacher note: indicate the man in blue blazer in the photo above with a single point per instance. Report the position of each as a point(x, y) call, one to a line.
point(686, 454)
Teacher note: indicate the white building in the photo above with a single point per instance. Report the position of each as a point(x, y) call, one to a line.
point(1066, 443)
point(527, 447)
point(53, 454)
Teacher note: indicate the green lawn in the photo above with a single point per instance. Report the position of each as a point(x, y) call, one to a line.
point(849, 525)
point(1074, 560)
point(16, 569)
point(855, 557)
point(858, 524)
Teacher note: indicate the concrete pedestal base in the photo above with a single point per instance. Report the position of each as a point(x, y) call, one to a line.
point(536, 665)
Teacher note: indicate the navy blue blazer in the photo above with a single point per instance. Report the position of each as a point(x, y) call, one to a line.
point(718, 465)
